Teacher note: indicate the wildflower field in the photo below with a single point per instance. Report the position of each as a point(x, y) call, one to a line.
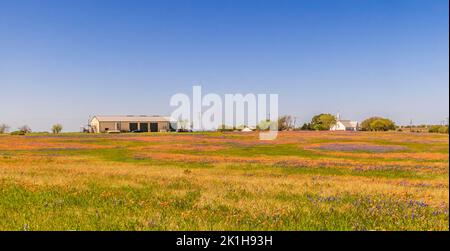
point(225, 181)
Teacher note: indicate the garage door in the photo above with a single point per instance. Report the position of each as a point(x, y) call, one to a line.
point(153, 127)
point(133, 127)
point(144, 127)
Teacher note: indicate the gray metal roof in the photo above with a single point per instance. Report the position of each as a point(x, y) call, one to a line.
point(349, 123)
point(131, 118)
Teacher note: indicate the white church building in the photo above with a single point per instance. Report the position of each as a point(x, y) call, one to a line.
point(345, 125)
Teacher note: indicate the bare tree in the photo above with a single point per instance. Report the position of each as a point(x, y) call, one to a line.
point(4, 128)
point(25, 129)
point(285, 123)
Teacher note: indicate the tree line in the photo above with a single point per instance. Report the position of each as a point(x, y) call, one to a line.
point(22, 130)
point(324, 122)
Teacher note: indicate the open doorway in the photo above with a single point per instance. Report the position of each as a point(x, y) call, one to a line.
point(144, 127)
point(153, 127)
point(133, 127)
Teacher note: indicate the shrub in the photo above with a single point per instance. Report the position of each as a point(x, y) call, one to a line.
point(17, 133)
point(57, 128)
point(225, 128)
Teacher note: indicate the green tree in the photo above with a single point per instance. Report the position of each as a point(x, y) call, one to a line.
point(438, 129)
point(306, 127)
point(377, 124)
point(323, 122)
point(57, 128)
point(443, 129)
point(365, 125)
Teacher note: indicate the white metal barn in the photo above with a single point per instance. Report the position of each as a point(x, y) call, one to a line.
point(129, 123)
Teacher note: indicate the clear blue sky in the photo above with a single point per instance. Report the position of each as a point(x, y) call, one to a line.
point(61, 61)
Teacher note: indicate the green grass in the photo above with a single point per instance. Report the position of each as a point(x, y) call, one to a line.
point(155, 208)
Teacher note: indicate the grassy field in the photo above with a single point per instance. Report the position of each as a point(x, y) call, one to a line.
point(225, 181)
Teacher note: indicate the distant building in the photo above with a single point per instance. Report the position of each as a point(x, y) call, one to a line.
point(129, 123)
point(345, 125)
point(246, 129)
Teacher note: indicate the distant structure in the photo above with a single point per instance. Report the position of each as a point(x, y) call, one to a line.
point(129, 123)
point(345, 125)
